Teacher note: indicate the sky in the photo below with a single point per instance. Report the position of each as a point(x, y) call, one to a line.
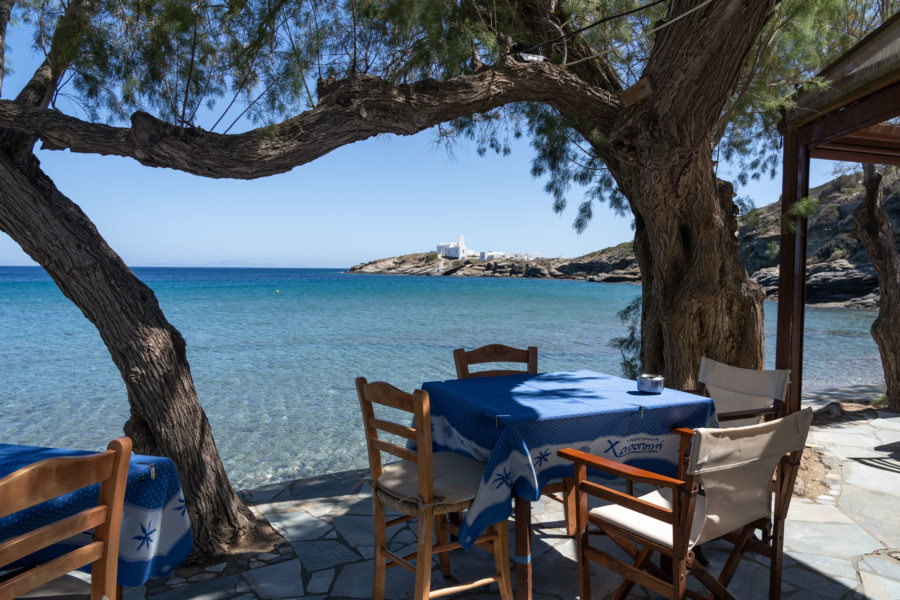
point(382, 197)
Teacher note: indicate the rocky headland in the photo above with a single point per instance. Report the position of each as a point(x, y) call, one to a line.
point(839, 272)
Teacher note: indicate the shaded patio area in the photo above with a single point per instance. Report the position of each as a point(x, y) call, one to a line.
point(844, 543)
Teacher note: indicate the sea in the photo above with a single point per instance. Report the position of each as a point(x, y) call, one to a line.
point(274, 353)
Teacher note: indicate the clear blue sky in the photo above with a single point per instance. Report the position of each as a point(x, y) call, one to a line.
point(382, 197)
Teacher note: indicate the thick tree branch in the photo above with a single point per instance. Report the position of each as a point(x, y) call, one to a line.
point(349, 110)
point(698, 61)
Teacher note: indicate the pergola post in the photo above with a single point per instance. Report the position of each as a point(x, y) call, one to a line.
point(792, 274)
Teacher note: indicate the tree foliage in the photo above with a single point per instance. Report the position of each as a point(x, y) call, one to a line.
point(629, 345)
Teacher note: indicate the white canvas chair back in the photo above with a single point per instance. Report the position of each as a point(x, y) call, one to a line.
point(735, 468)
point(735, 389)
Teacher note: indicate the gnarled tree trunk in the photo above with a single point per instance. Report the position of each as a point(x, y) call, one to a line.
point(875, 232)
point(697, 297)
point(166, 417)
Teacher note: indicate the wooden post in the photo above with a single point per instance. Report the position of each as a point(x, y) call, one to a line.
point(792, 268)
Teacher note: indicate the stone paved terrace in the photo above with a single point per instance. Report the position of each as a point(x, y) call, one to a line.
point(845, 543)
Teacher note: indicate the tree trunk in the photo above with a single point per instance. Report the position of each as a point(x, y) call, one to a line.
point(697, 297)
point(166, 417)
point(875, 232)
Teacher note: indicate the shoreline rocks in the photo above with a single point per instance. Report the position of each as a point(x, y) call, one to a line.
point(838, 270)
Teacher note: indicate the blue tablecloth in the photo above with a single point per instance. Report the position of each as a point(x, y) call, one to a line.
point(156, 532)
point(517, 423)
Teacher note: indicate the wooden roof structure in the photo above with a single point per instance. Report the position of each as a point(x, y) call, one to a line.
point(847, 121)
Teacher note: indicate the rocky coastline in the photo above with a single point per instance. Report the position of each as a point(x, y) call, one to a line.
point(838, 271)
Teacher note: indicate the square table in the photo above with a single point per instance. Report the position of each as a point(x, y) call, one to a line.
point(516, 424)
point(156, 531)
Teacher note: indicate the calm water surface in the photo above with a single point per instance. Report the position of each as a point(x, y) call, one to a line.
point(274, 352)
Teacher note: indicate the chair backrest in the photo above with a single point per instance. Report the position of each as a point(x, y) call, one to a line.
point(735, 466)
point(735, 389)
point(49, 479)
point(493, 353)
point(416, 403)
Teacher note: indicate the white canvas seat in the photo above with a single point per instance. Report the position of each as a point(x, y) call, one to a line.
point(743, 396)
point(727, 492)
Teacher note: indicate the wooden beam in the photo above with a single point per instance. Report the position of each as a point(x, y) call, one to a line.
point(870, 65)
point(861, 157)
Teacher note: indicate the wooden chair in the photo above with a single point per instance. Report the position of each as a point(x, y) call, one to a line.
point(743, 396)
point(423, 485)
point(561, 491)
point(727, 492)
point(493, 353)
point(46, 480)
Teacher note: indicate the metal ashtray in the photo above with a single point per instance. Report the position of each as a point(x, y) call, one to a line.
point(651, 384)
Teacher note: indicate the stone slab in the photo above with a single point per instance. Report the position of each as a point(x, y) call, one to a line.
point(320, 582)
point(828, 539)
point(216, 589)
point(825, 565)
point(868, 509)
point(876, 587)
point(872, 478)
point(298, 526)
point(319, 555)
point(802, 509)
point(282, 580)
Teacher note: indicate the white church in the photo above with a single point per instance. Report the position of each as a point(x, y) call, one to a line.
point(458, 250)
point(455, 250)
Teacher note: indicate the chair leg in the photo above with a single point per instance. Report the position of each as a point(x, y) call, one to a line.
point(777, 543)
point(379, 566)
point(639, 563)
point(569, 508)
point(734, 558)
point(501, 560)
point(443, 537)
point(423, 553)
point(584, 565)
point(679, 579)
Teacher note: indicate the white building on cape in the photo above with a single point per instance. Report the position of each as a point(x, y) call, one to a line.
point(458, 251)
point(455, 250)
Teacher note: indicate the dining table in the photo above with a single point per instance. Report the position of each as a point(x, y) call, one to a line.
point(156, 532)
point(515, 424)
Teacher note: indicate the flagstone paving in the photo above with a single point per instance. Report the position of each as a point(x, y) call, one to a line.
point(843, 544)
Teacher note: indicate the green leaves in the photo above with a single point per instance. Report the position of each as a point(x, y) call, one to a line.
point(629, 345)
point(803, 208)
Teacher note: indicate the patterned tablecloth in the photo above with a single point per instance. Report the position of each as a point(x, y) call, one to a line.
point(156, 532)
point(517, 423)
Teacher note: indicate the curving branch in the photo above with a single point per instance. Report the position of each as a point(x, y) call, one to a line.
point(349, 110)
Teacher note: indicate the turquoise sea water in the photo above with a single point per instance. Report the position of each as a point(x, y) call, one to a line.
point(274, 353)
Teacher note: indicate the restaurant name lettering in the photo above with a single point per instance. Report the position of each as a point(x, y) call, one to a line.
point(644, 445)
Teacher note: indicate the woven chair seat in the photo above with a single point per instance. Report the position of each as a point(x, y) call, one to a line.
point(456, 479)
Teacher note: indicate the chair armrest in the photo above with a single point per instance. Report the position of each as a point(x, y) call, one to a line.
point(746, 414)
point(618, 469)
point(685, 432)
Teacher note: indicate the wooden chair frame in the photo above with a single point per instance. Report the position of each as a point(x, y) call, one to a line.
point(494, 353)
point(54, 477)
point(670, 578)
point(496, 540)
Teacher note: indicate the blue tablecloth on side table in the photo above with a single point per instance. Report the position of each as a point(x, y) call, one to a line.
point(516, 424)
point(156, 532)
